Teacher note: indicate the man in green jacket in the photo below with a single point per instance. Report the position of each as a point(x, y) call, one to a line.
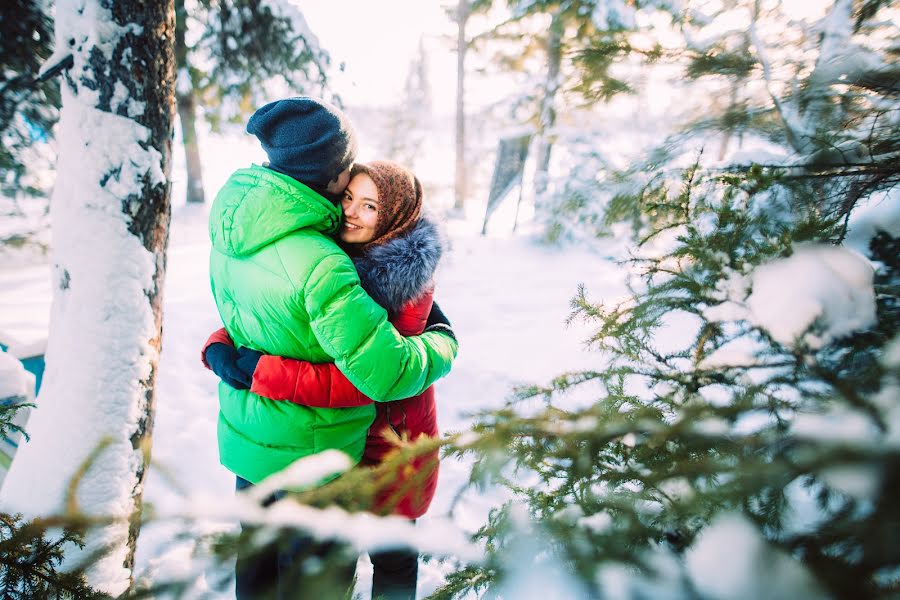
point(283, 287)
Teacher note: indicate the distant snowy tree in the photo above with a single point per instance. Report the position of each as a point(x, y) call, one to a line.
point(740, 435)
point(564, 27)
point(565, 53)
point(409, 121)
point(90, 431)
point(461, 13)
point(235, 55)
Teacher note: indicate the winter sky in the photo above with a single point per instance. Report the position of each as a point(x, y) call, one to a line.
point(377, 41)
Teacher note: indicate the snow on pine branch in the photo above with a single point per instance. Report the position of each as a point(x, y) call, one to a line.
point(818, 294)
point(302, 474)
point(365, 531)
point(732, 561)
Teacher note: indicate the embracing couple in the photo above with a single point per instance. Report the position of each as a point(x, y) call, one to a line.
point(322, 272)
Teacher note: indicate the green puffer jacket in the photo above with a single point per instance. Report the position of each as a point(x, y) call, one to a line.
point(284, 287)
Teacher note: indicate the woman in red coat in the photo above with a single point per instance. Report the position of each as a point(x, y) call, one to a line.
point(396, 252)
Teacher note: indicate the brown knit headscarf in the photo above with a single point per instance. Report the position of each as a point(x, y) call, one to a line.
point(399, 199)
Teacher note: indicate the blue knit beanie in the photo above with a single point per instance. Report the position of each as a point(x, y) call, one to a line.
point(305, 138)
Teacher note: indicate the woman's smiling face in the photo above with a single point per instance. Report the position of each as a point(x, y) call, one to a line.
point(361, 207)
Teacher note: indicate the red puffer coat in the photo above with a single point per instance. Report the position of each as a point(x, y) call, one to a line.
point(398, 276)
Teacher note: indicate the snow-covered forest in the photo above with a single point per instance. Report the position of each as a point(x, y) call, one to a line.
point(671, 259)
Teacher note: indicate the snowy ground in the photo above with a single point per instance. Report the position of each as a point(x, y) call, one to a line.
point(507, 298)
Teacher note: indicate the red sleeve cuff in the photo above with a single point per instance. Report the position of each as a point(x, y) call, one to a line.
point(219, 336)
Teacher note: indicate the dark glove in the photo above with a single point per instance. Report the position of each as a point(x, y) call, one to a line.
point(247, 361)
point(222, 359)
point(438, 321)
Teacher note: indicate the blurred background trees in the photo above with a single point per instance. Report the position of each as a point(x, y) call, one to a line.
point(28, 112)
point(233, 57)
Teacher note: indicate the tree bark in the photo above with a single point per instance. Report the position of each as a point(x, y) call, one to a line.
point(461, 182)
point(547, 118)
point(90, 431)
point(187, 111)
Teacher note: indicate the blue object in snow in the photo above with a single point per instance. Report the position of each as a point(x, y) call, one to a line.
point(33, 364)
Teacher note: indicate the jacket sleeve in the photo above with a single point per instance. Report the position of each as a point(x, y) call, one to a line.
point(355, 332)
point(323, 385)
point(300, 382)
point(412, 317)
point(317, 385)
point(219, 336)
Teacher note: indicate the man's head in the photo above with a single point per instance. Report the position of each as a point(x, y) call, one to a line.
point(307, 139)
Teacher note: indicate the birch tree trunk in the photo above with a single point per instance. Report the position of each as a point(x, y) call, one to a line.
point(460, 186)
point(110, 217)
point(187, 110)
point(548, 109)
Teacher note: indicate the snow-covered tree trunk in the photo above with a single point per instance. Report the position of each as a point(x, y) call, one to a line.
point(459, 188)
point(110, 214)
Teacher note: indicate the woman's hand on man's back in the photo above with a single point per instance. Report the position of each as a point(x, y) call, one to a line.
point(438, 321)
point(224, 361)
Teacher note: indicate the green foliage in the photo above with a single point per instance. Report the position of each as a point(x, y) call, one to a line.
point(28, 109)
point(243, 48)
point(10, 406)
point(834, 120)
point(596, 83)
point(30, 561)
point(718, 61)
point(674, 437)
point(7, 414)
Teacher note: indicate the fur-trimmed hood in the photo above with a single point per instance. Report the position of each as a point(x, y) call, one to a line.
point(401, 269)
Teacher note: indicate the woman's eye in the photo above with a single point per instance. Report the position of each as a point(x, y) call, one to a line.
point(371, 207)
